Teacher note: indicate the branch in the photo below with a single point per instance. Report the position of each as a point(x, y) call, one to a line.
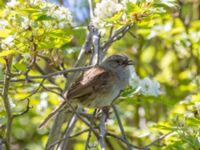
point(72, 136)
point(97, 53)
point(137, 147)
point(34, 92)
point(102, 131)
point(89, 133)
point(157, 140)
point(7, 106)
point(121, 139)
point(121, 126)
point(69, 129)
point(50, 74)
point(25, 111)
point(116, 36)
point(91, 9)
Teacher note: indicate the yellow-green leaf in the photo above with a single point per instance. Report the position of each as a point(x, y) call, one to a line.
point(6, 53)
point(4, 33)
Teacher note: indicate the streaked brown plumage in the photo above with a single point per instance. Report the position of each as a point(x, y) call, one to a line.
point(99, 86)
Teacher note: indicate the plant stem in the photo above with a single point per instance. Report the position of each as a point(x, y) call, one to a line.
point(7, 103)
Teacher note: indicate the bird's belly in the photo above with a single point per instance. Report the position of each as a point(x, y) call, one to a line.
point(103, 100)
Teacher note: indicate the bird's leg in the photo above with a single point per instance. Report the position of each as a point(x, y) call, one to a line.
point(106, 110)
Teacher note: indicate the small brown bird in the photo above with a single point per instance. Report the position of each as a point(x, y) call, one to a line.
point(99, 86)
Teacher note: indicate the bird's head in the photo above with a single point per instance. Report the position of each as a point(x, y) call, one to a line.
point(117, 61)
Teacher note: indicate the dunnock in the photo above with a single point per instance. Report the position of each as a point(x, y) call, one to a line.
point(99, 86)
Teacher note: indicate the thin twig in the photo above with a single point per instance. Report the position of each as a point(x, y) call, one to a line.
point(72, 136)
point(34, 92)
point(116, 36)
point(52, 91)
point(122, 140)
point(50, 74)
point(7, 102)
point(69, 129)
point(25, 111)
point(89, 133)
point(157, 140)
point(121, 126)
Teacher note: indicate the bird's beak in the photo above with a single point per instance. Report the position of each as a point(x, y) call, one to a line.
point(129, 62)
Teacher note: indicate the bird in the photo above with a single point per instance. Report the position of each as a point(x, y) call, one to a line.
point(99, 86)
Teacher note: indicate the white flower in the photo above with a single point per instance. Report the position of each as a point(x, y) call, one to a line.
point(145, 86)
point(104, 10)
point(8, 41)
point(197, 105)
point(189, 115)
point(61, 13)
point(25, 23)
point(134, 80)
point(27, 55)
point(3, 23)
point(12, 3)
point(149, 87)
point(35, 2)
point(46, 24)
point(3, 46)
point(129, 1)
point(12, 104)
point(198, 139)
point(43, 102)
point(61, 25)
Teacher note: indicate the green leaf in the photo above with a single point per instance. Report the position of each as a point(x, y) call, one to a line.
point(44, 17)
point(20, 66)
point(133, 8)
point(6, 53)
point(116, 17)
point(4, 33)
point(193, 121)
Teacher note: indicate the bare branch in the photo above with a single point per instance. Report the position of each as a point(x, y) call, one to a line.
point(34, 92)
point(157, 140)
point(69, 129)
point(121, 126)
point(89, 133)
point(50, 74)
point(122, 140)
point(102, 131)
point(91, 9)
point(97, 53)
point(25, 111)
point(72, 136)
point(6, 101)
point(116, 36)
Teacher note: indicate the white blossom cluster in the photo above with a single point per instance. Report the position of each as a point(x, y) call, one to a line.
point(105, 10)
point(18, 23)
point(144, 86)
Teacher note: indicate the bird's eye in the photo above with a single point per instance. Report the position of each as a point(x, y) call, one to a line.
point(118, 61)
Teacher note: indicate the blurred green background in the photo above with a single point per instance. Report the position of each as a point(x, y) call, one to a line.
point(165, 48)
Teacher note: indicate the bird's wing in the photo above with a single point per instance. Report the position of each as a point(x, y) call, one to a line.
point(94, 80)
